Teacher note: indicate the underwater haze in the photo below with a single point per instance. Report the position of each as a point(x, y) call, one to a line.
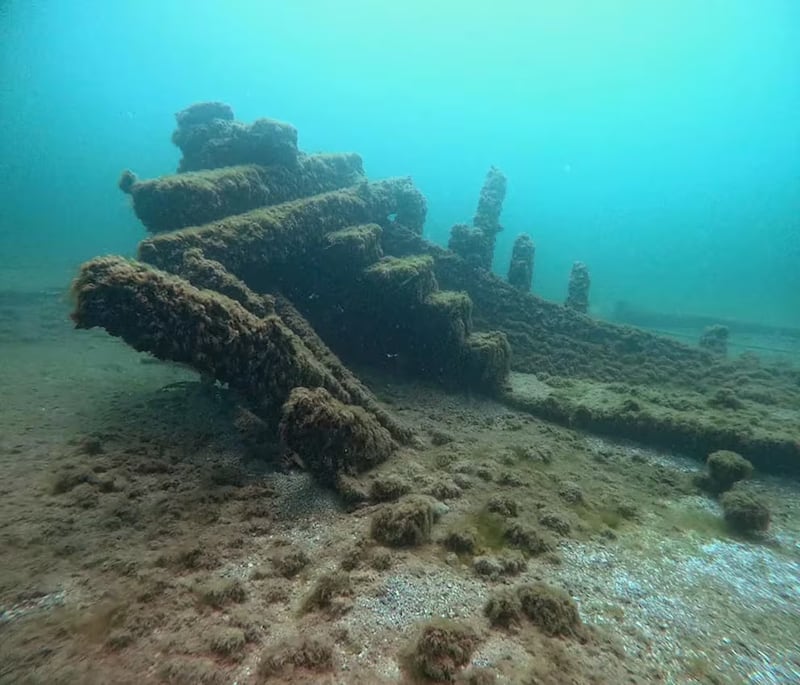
point(658, 142)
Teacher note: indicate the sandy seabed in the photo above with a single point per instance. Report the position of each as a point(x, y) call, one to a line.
point(142, 539)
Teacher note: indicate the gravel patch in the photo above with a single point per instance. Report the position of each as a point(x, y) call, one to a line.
point(402, 600)
point(729, 607)
point(41, 603)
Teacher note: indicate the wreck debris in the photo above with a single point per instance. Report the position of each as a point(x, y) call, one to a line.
point(578, 288)
point(358, 392)
point(520, 270)
point(355, 246)
point(199, 197)
point(490, 205)
point(209, 138)
point(332, 438)
point(430, 329)
point(165, 315)
point(476, 244)
point(346, 273)
point(211, 275)
point(471, 244)
point(250, 243)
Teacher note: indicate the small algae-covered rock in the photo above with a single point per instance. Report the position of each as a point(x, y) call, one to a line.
point(461, 541)
point(327, 592)
point(443, 489)
point(478, 675)
point(352, 490)
point(443, 648)
point(551, 609)
point(289, 562)
point(503, 608)
point(406, 523)
point(725, 398)
point(555, 523)
point(572, 494)
point(726, 468)
point(381, 559)
point(331, 437)
point(495, 567)
point(70, 477)
point(745, 513)
point(218, 592)
point(192, 671)
point(529, 539)
point(388, 488)
point(302, 653)
point(503, 505)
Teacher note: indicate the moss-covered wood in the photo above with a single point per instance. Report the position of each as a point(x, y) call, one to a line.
point(348, 271)
point(199, 197)
point(156, 312)
point(209, 137)
point(263, 238)
point(332, 439)
point(624, 381)
point(682, 420)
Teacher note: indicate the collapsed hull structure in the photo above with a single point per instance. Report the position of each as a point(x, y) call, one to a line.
point(267, 266)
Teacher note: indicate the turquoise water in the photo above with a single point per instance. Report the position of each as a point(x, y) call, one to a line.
point(658, 142)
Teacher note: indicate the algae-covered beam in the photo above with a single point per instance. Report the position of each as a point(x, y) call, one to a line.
point(359, 393)
point(249, 243)
point(199, 197)
point(331, 438)
point(155, 312)
point(211, 275)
